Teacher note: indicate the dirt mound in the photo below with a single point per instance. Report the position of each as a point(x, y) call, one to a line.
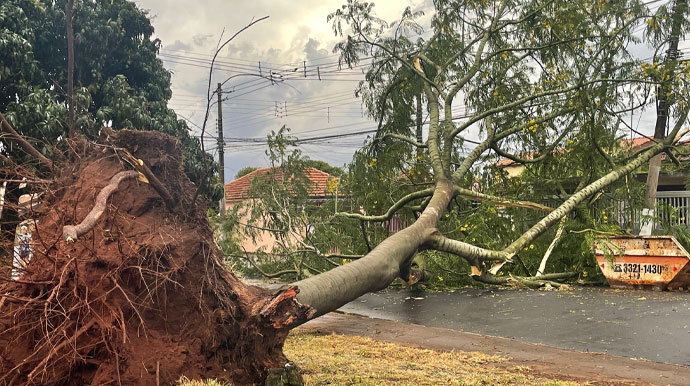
point(142, 297)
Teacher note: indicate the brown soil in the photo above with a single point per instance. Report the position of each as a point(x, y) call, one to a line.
point(540, 360)
point(141, 298)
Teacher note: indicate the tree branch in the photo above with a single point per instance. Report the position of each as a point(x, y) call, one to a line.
point(28, 148)
point(569, 204)
point(528, 281)
point(465, 250)
point(528, 98)
point(402, 138)
point(391, 211)
point(262, 272)
point(471, 195)
point(363, 228)
point(517, 159)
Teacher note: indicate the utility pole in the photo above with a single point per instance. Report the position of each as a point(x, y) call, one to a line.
point(664, 102)
point(221, 152)
point(70, 68)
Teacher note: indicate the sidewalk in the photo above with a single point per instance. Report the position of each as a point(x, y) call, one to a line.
point(595, 368)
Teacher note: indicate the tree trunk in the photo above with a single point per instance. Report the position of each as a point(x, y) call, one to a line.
point(387, 261)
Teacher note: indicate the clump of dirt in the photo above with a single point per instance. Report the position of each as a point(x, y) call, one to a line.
point(143, 297)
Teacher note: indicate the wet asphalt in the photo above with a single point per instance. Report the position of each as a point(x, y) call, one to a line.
point(630, 323)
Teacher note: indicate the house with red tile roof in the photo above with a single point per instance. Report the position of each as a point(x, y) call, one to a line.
point(237, 192)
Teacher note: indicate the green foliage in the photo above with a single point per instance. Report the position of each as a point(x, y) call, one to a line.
point(553, 83)
point(335, 171)
point(244, 171)
point(118, 78)
point(284, 206)
point(567, 140)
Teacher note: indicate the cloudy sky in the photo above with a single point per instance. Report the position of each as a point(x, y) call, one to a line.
point(296, 35)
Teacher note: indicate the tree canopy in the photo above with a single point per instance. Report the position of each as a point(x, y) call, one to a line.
point(118, 78)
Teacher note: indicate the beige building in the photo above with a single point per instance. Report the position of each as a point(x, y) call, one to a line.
point(237, 192)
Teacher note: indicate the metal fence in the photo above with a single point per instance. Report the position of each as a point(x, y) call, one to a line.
point(673, 207)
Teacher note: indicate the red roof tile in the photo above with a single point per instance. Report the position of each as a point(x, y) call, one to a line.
point(238, 189)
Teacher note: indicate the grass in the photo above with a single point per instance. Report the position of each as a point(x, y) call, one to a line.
point(351, 360)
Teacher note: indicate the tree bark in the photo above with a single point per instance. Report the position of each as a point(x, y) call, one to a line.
point(388, 260)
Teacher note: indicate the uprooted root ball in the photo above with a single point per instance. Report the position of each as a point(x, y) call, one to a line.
point(143, 295)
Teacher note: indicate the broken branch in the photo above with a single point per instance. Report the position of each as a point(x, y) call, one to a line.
point(547, 254)
point(6, 127)
point(394, 208)
point(471, 195)
point(502, 280)
point(155, 183)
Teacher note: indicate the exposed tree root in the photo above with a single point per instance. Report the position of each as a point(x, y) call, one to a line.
point(142, 295)
point(73, 232)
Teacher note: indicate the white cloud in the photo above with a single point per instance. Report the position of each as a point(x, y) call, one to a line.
point(295, 32)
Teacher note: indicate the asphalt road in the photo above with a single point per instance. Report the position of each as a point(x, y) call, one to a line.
point(635, 324)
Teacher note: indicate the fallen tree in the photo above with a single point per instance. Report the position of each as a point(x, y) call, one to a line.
point(139, 293)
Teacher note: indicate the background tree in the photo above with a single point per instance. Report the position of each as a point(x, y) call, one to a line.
point(286, 204)
point(244, 171)
point(118, 78)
